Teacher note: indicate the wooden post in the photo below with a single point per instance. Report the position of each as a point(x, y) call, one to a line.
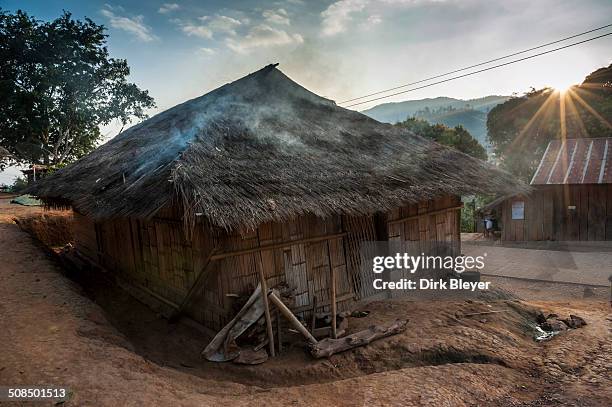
point(278, 331)
point(332, 289)
point(264, 293)
point(289, 315)
point(313, 318)
point(381, 230)
point(333, 301)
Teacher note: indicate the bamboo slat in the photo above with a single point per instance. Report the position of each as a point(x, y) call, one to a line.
point(277, 246)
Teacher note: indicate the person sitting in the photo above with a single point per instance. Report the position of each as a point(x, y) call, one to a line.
point(488, 226)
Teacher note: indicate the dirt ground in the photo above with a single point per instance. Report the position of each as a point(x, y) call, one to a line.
point(111, 350)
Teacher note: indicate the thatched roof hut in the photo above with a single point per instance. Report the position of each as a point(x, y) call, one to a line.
point(261, 149)
point(268, 179)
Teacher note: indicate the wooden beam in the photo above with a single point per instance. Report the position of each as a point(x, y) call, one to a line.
point(277, 246)
point(345, 297)
point(291, 318)
point(454, 208)
point(197, 284)
point(313, 317)
point(264, 292)
point(278, 331)
point(381, 230)
point(332, 289)
point(334, 311)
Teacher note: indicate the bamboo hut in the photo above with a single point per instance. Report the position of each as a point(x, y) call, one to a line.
point(571, 198)
point(259, 176)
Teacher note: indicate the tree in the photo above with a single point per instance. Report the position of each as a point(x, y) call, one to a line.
point(520, 129)
point(19, 184)
point(457, 137)
point(57, 86)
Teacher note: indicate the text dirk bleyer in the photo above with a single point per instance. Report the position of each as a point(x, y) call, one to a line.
point(431, 284)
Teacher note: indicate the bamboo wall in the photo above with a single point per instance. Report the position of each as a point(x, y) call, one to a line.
point(433, 227)
point(547, 216)
point(158, 256)
point(428, 221)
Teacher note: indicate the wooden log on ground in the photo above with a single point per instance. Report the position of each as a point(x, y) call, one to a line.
point(291, 318)
point(329, 346)
point(325, 332)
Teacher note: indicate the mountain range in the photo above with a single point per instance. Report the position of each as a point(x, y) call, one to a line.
point(471, 113)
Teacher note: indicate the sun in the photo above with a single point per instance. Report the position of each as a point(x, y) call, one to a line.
point(561, 85)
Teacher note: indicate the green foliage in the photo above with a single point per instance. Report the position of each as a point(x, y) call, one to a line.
point(52, 168)
point(57, 86)
point(469, 211)
point(467, 218)
point(19, 184)
point(457, 137)
point(521, 128)
point(473, 120)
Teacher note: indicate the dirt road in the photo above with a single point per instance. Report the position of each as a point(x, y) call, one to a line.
point(52, 333)
point(592, 267)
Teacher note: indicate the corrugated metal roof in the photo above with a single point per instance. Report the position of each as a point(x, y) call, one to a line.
point(576, 161)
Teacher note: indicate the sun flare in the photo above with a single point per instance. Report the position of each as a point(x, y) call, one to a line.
point(561, 84)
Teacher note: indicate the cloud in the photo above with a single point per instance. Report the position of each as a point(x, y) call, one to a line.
point(207, 51)
point(197, 30)
point(279, 16)
point(132, 25)
point(337, 16)
point(373, 20)
point(211, 25)
point(168, 8)
point(222, 24)
point(412, 2)
point(262, 36)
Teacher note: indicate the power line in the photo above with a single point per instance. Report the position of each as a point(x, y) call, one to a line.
point(480, 70)
point(478, 64)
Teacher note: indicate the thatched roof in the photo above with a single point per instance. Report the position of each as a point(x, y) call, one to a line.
point(264, 148)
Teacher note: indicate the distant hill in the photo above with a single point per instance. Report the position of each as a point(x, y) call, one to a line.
point(471, 114)
point(474, 121)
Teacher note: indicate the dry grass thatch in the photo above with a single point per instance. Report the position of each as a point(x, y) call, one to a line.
point(264, 148)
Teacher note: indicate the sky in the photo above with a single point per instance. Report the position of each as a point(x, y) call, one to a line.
point(339, 49)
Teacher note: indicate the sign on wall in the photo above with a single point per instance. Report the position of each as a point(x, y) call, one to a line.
point(518, 210)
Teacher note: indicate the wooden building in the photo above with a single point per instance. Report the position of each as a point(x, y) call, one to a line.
point(35, 172)
point(571, 198)
point(259, 177)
